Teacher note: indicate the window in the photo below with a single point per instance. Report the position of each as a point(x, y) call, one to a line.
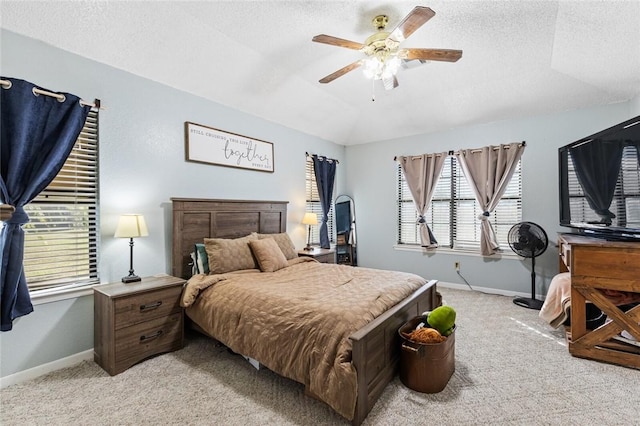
point(62, 236)
point(453, 213)
point(314, 206)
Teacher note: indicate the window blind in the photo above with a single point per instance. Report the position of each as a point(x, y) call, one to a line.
point(62, 236)
point(453, 212)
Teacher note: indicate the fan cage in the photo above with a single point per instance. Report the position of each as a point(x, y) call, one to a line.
point(522, 245)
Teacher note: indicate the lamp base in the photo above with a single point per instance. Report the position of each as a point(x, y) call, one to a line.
point(131, 279)
point(308, 248)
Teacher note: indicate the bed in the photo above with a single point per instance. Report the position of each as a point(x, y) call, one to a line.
point(368, 354)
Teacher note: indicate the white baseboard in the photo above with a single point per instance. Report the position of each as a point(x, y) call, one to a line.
point(40, 370)
point(487, 290)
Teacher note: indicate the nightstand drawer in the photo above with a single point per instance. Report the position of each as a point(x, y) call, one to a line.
point(320, 254)
point(142, 307)
point(149, 338)
point(326, 258)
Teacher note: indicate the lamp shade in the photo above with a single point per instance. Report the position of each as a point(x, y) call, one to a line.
point(131, 226)
point(310, 219)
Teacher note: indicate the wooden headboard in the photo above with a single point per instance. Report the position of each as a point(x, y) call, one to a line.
point(195, 219)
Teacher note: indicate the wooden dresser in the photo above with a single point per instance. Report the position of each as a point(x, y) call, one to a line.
point(137, 320)
point(595, 265)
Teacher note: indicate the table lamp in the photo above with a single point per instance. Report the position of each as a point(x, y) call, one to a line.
point(131, 226)
point(309, 219)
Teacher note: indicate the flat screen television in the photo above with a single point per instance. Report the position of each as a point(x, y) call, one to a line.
point(600, 183)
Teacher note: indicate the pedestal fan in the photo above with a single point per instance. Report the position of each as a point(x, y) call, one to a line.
point(528, 240)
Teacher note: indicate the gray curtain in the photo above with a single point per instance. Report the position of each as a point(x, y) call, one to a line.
point(422, 173)
point(488, 171)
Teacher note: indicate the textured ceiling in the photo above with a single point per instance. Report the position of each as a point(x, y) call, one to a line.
point(520, 58)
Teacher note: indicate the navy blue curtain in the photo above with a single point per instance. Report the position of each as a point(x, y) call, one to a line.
point(325, 171)
point(38, 133)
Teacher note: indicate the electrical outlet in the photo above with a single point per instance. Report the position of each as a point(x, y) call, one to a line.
point(457, 266)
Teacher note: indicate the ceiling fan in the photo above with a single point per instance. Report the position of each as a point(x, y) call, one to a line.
point(384, 55)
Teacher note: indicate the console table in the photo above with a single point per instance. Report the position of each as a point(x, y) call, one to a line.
point(596, 265)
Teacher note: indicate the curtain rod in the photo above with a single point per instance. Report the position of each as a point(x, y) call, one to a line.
point(96, 103)
point(495, 148)
point(523, 143)
point(415, 157)
point(321, 156)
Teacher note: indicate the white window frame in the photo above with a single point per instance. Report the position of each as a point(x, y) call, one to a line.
point(62, 238)
point(453, 212)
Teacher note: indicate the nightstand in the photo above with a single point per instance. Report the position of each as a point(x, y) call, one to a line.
point(137, 320)
point(320, 254)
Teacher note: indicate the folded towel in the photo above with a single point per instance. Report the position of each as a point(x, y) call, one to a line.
point(555, 307)
point(628, 335)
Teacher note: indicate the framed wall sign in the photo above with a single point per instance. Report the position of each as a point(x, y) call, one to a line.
point(213, 146)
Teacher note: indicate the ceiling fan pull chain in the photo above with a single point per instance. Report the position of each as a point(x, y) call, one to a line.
point(373, 90)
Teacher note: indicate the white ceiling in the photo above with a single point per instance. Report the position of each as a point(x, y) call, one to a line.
point(520, 58)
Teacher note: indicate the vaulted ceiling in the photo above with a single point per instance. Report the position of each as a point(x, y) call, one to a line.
point(520, 58)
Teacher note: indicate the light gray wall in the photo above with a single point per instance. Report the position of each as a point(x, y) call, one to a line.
point(371, 180)
point(141, 167)
point(634, 105)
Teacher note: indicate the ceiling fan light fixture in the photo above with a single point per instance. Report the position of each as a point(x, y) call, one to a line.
point(378, 68)
point(391, 66)
point(372, 68)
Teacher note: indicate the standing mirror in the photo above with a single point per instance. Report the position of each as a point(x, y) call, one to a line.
point(346, 247)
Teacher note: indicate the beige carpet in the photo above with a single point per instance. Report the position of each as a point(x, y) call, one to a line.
point(511, 368)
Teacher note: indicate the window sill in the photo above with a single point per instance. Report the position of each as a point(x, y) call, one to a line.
point(445, 250)
point(44, 296)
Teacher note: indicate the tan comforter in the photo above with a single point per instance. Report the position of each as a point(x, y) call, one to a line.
point(297, 321)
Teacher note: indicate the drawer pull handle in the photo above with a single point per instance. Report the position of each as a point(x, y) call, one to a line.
point(150, 306)
point(151, 336)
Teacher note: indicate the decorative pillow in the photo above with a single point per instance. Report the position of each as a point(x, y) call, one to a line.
point(226, 255)
point(201, 259)
point(268, 253)
point(284, 242)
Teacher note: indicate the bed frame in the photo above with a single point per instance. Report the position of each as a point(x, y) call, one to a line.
point(376, 347)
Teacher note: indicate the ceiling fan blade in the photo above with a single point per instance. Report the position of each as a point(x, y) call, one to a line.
point(390, 83)
point(341, 72)
point(414, 20)
point(335, 41)
point(447, 55)
point(408, 64)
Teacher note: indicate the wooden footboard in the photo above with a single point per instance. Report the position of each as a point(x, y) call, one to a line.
point(376, 347)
